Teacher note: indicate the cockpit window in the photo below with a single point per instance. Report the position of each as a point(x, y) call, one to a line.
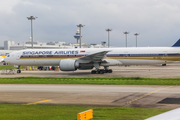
point(8, 55)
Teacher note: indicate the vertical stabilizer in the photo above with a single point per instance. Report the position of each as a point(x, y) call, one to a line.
point(177, 44)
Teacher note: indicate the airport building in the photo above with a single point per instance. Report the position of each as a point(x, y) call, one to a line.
point(11, 45)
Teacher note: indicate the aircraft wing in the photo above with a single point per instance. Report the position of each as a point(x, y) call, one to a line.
point(170, 115)
point(95, 57)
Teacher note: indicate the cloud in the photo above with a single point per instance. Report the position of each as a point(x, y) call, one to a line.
point(157, 21)
point(7, 5)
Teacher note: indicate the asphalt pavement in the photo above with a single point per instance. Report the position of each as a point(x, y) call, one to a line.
point(96, 95)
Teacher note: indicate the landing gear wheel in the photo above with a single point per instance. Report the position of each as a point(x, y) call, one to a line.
point(97, 72)
point(93, 72)
point(18, 71)
point(110, 71)
point(101, 72)
point(105, 71)
point(163, 64)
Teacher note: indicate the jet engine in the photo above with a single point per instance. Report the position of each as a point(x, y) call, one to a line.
point(68, 65)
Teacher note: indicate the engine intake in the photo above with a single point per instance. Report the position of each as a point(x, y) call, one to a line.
point(68, 65)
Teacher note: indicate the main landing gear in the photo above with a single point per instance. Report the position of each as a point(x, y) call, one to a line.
point(101, 71)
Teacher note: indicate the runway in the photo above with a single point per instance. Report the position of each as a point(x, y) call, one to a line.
point(98, 95)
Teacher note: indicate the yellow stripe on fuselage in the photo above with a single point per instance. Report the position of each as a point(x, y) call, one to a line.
point(166, 58)
point(177, 58)
point(48, 58)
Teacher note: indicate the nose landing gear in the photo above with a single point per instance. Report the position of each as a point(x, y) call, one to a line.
point(18, 69)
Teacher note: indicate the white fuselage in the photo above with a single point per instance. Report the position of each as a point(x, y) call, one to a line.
point(125, 56)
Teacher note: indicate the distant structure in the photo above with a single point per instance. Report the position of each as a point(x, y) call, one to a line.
point(10, 45)
point(80, 26)
point(126, 36)
point(77, 36)
point(108, 30)
point(136, 34)
point(103, 43)
point(31, 18)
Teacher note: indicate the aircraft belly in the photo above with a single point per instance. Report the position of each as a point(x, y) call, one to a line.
point(37, 62)
point(140, 62)
point(111, 62)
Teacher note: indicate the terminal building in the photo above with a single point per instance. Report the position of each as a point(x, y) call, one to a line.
point(11, 45)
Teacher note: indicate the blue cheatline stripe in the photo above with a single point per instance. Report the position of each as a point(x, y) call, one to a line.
point(108, 55)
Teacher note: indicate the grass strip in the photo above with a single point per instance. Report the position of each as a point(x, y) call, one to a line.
point(91, 80)
point(69, 112)
point(2, 67)
point(7, 67)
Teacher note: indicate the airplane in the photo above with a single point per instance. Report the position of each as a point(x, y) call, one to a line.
point(88, 58)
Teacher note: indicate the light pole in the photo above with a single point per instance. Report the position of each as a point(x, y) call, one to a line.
point(31, 18)
point(80, 25)
point(136, 34)
point(126, 36)
point(108, 30)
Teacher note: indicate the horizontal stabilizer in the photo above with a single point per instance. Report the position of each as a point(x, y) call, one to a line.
point(177, 44)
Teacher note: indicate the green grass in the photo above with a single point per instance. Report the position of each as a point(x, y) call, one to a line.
point(91, 80)
point(2, 67)
point(7, 67)
point(62, 112)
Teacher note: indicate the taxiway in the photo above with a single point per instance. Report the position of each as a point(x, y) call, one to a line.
point(98, 95)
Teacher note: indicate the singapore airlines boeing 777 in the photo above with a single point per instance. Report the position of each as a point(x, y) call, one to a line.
point(88, 58)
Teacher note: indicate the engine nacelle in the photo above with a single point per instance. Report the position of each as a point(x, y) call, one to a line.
point(68, 65)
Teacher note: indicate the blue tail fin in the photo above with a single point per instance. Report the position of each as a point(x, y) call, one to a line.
point(177, 44)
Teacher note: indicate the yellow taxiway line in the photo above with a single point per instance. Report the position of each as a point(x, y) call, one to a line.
point(38, 102)
point(148, 94)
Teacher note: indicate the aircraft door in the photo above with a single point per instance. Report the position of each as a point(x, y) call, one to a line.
point(18, 55)
point(165, 54)
point(126, 54)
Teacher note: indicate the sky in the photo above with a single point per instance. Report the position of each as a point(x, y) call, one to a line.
point(157, 21)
